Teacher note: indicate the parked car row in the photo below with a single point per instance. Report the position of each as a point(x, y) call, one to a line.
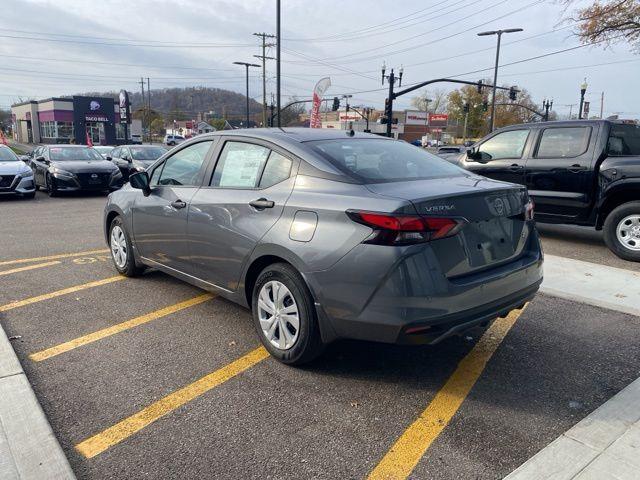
point(69, 168)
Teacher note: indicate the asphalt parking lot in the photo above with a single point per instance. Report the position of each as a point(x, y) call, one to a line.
point(150, 378)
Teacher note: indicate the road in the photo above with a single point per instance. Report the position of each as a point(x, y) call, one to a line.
point(139, 384)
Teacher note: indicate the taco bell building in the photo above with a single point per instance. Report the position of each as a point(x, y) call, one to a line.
point(69, 120)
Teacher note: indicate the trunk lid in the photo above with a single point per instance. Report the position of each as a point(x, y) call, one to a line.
point(496, 231)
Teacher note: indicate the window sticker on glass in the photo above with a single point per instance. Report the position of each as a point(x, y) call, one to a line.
point(240, 165)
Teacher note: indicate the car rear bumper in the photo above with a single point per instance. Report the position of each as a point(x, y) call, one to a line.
point(413, 302)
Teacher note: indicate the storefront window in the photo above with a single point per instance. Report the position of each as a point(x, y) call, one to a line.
point(65, 129)
point(48, 129)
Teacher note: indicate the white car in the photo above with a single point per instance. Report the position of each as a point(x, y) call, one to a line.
point(172, 140)
point(136, 139)
point(16, 178)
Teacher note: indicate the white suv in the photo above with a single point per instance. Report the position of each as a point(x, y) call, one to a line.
point(173, 139)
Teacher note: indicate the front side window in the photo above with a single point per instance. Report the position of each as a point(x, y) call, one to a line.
point(563, 142)
point(240, 165)
point(503, 145)
point(183, 167)
point(146, 153)
point(378, 160)
point(624, 140)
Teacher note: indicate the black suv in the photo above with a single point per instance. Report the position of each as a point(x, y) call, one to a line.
point(582, 172)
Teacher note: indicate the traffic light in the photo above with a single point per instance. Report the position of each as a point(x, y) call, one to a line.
point(485, 105)
point(336, 104)
point(465, 108)
point(513, 94)
point(480, 83)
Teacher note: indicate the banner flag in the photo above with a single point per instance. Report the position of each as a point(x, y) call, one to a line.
point(321, 87)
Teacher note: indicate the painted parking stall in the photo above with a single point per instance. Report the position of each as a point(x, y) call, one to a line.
point(150, 377)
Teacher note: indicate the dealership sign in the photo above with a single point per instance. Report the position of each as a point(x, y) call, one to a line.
point(415, 117)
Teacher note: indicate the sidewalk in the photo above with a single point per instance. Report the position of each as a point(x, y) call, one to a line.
point(28, 447)
point(606, 444)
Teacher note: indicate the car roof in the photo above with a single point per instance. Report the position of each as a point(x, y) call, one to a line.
point(292, 134)
point(66, 145)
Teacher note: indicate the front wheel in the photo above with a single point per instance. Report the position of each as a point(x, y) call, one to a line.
point(622, 231)
point(51, 186)
point(284, 315)
point(121, 250)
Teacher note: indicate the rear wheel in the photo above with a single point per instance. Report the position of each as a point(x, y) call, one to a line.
point(284, 315)
point(622, 231)
point(121, 250)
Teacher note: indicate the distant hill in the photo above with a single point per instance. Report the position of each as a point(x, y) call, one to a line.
point(186, 103)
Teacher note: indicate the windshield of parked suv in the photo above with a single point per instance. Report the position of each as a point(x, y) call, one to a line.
point(7, 155)
point(73, 153)
point(146, 153)
point(378, 160)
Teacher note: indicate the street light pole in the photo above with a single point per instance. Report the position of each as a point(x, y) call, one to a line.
point(583, 90)
point(247, 65)
point(495, 71)
point(547, 105)
point(278, 42)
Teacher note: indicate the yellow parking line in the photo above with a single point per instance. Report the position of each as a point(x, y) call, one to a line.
point(28, 267)
point(136, 422)
point(57, 293)
point(407, 451)
point(120, 327)
point(53, 257)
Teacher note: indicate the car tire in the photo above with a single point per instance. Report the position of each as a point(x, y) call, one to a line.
point(298, 345)
point(51, 188)
point(122, 252)
point(622, 231)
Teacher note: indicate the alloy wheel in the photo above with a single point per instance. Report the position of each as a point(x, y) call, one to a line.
point(118, 246)
point(628, 232)
point(278, 314)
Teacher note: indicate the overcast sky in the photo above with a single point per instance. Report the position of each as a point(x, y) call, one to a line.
point(74, 46)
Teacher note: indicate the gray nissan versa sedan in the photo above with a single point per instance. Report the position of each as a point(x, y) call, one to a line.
point(326, 234)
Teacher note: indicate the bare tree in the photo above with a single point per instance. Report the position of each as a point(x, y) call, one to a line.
point(607, 21)
point(434, 102)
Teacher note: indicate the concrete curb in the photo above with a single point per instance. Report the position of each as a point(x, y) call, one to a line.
point(604, 445)
point(28, 447)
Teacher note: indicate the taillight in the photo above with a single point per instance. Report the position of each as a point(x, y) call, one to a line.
point(528, 210)
point(392, 229)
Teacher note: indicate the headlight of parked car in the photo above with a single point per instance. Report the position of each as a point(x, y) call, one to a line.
point(57, 172)
point(116, 174)
point(25, 174)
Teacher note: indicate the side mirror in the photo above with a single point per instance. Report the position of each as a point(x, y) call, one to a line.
point(108, 157)
point(24, 158)
point(41, 159)
point(140, 180)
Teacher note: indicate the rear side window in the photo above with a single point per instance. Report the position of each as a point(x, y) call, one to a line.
point(278, 168)
point(563, 142)
point(377, 160)
point(624, 140)
point(239, 165)
point(504, 145)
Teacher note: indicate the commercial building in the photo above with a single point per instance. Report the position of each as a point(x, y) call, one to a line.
point(69, 120)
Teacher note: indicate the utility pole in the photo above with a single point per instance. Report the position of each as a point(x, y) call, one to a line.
point(149, 107)
point(465, 108)
point(264, 59)
point(495, 71)
point(388, 107)
point(278, 43)
point(601, 105)
point(143, 102)
point(247, 65)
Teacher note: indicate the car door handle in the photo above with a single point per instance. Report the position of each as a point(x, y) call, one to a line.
point(576, 168)
point(178, 204)
point(514, 167)
point(262, 203)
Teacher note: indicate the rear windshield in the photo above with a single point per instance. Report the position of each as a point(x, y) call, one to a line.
point(377, 160)
point(73, 153)
point(146, 153)
point(624, 140)
point(7, 155)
